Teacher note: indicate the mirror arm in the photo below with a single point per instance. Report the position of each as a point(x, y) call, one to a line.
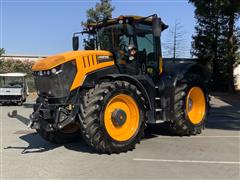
point(76, 33)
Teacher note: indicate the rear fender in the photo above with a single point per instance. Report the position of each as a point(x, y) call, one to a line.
point(184, 69)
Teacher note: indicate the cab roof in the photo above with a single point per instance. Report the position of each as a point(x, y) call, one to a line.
point(145, 20)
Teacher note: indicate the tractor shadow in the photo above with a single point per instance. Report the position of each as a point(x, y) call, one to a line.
point(37, 144)
point(225, 116)
point(155, 130)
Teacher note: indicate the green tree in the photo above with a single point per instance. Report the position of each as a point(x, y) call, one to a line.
point(102, 10)
point(17, 66)
point(211, 43)
point(232, 11)
point(2, 51)
point(11, 65)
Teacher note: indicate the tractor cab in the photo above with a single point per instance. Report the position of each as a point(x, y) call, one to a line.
point(134, 42)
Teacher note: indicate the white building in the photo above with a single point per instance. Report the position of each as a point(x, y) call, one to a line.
point(236, 74)
point(21, 57)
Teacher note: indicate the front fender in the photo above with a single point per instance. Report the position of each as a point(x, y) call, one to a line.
point(136, 81)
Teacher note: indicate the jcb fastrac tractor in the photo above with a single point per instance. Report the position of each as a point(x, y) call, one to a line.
point(109, 93)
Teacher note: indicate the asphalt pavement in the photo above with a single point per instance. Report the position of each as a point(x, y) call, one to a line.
point(214, 154)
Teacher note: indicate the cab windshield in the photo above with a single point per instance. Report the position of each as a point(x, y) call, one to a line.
point(11, 82)
point(115, 38)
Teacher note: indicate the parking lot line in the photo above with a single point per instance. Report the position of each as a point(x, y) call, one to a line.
point(228, 121)
point(186, 161)
point(193, 137)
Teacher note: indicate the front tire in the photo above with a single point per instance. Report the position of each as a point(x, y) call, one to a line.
point(112, 117)
point(68, 134)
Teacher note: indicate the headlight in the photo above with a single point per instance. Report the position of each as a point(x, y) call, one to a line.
point(56, 82)
point(53, 70)
point(49, 72)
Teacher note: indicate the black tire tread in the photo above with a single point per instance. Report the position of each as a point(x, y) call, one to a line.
point(58, 137)
point(90, 109)
point(180, 125)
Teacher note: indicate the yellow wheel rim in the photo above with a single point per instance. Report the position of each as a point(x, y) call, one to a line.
point(196, 105)
point(128, 117)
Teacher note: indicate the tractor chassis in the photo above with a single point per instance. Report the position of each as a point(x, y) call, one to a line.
point(51, 117)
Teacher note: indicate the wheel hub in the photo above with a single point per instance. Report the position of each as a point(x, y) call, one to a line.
point(121, 117)
point(196, 105)
point(190, 104)
point(118, 117)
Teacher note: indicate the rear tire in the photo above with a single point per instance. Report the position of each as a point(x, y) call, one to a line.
point(93, 123)
point(183, 124)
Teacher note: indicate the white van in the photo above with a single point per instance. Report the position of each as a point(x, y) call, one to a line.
point(13, 88)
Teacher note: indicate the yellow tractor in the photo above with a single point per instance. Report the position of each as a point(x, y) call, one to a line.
point(109, 92)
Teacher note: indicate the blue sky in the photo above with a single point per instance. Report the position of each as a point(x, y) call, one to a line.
point(45, 27)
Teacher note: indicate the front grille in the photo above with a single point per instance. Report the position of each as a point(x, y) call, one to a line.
point(56, 85)
point(10, 98)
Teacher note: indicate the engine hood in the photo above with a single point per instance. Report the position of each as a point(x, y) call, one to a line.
point(55, 60)
point(86, 62)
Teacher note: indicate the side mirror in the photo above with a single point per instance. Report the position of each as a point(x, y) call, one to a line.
point(75, 43)
point(156, 26)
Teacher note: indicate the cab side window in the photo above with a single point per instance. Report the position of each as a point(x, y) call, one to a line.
point(146, 48)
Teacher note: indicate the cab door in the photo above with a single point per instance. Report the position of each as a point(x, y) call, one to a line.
point(147, 50)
